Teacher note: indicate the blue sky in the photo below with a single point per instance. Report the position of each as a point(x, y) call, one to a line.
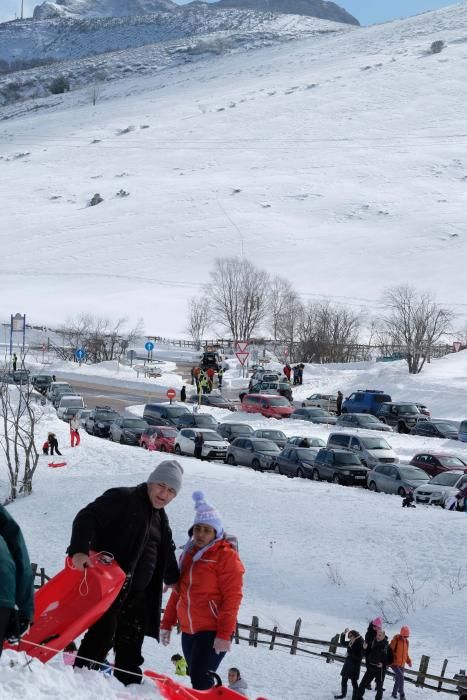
point(375, 11)
point(367, 11)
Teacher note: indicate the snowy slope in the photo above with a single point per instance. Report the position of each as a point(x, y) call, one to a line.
point(338, 161)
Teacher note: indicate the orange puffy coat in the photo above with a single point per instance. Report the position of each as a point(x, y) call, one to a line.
point(400, 650)
point(209, 592)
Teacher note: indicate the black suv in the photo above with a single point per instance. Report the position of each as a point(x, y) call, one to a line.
point(99, 420)
point(197, 420)
point(41, 382)
point(402, 416)
point(340, 467)
point(164, 413)
point(230, 431)
point(210, 359)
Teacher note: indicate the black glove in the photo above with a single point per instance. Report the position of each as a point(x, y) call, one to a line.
point(17, 626)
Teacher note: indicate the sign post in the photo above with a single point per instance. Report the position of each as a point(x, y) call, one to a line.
point(80, 354)
point(456, 346)
point(131, 355)
point(242, 353)
point(17, 325)
point(171, 394)
point(149, 347)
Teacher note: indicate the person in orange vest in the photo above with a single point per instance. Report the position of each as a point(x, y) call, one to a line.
point(207, 598)
point(400, 651)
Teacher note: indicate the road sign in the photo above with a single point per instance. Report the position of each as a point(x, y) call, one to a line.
point(171, 394)
point(149, 346)
point(456, 346)
point(242, 345)
point(80, 354)
point(242, 357)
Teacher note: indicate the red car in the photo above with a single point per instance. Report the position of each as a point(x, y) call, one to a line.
point(159, 438)
point(269, 406)
point(434, 464)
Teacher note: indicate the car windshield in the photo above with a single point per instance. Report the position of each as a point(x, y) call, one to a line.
point(408, 408)
point(76, 402)
point(316, 412)
point(445, 427)
point(375, 444)
point(445, 479)
point(106, 415)
point(204, 420)
point(368, 419)
point(280, 401)
point(265, 446)
point(316, 442)
point(168, 432)
point(413, 474)
point(307, 454)
point(218, 399)
point(273, 434)
point(347, 459)
point(381, 398)
point(211, 436)
point(176, 411)
point(452, 462)
point(134, 423)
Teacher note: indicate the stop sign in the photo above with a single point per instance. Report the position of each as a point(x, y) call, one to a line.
point(171, 394)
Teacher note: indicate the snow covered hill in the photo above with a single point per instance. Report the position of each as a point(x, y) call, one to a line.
point(337, 160)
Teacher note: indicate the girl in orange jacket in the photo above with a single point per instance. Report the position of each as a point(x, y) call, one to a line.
point(208, 595)
point(400, 651)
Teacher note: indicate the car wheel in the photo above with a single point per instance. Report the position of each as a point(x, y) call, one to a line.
point(299, 473)
point(316, 476)
point(401, 428)
point(178, 450)
point(372, 486)
point(401, 492)
point(162, 448)
point(343, 411)
point(94, 431)
point(231, 460)
point(256, 465)
point(335, 479)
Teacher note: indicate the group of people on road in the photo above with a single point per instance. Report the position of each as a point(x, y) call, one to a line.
point(294, 374)
point(379, 654)
point(204, 379)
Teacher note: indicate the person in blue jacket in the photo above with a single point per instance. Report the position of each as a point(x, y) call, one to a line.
point(16, 581)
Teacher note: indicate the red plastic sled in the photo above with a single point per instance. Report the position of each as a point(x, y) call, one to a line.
point(69, 604)
point(171, 690)
point(57, 464)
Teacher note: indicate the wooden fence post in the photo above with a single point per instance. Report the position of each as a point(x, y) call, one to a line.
point(273, 638)
point(443, 671)
point(296, 634)
point(333, 647)
point(422, 671)
point(253, 639)
point(237, 634)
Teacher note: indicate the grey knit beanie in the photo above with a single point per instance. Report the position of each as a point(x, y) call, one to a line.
point(168, 472)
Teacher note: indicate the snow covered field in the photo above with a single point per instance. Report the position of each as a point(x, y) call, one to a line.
point(293, 533)
point(312, 157)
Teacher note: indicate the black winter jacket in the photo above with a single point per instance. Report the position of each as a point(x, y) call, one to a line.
point(379, 653)
point(351, 667)
point(118, 522)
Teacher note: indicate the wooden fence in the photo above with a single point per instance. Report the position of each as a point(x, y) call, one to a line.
point(325, 649)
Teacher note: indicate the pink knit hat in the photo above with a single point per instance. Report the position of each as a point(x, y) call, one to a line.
point(378, 623)
point(405, 632)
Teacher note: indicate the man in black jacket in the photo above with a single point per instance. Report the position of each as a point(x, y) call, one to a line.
point(131, 524)
point(379, 657)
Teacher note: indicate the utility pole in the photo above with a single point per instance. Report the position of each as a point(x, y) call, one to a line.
point(22, 8)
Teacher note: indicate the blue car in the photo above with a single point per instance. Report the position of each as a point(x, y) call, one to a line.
point(365, 401)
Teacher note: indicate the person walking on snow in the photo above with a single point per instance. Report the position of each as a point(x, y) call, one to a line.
point(14, 361)
point(16, 581)
point(370, 636)
point(131, 524)
point(351, 668)
point(199, 442)
point(339, 400)
point(379, 657)
point(287, 370)
point(207, 599)
point(53, 444)
point(400, 652)
point(220, 376)
point(183, 394)
point(74, 431)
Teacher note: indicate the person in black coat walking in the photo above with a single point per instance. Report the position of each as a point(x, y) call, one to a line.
point(339, 400)
point(53, 444)
point(351, 669)
point(183, 394)
point(199, 442)
point(379, 656)
point(132, 525)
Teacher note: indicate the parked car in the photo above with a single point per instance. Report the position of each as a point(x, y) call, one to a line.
point(257, 453)
point(396, 478)
point(462, 434)
point(326, 401)
point(340, 467)
point(276, 436)
point(159, 438)
point(402, 416)
point(314, 415)
point(69, 401)
point(197, 420)
point(365, 401)
point(299, 441)
point(434, 464)
point(164, 413)
point(21, 376)
point(436, 428)
point(268, 406)
point(296, 461)
point(230, 431)
point(57, 389)
point(127, 431)
point(215, 400)
point(214, 446)
point(66, 414)
point(362, 420)
point(371, 450)
point(41, 382)
point(99, 421)
point(264, 375)
point(82, 415)
point(277, 388)
point(210, 359)
point(441, 487)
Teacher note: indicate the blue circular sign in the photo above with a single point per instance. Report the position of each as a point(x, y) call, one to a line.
point(80, 353)
point(149, 346)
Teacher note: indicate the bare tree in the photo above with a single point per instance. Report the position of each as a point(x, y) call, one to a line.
point(414, 323)
point(198, 318)
point(327, 333)
point(101, 338)
point(238, 293)
point(20, 414)
point(285, 311)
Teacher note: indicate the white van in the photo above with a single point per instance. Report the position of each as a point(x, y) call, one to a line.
point(372, 450)
point(70, 401)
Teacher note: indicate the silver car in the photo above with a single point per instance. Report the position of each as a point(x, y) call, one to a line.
point(257, 453)
point(276, 436)
point(127, 431)
point(362, 420)
point(326, 401)
point(438, 490)
point(396, 478)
